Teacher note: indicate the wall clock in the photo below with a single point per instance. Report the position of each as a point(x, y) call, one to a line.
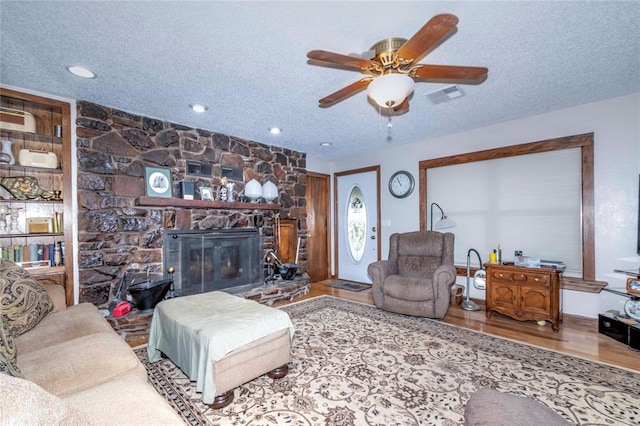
point(401, 184)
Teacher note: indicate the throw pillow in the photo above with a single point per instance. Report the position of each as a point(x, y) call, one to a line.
point(7, 350)
point(23, 301)
point(25, 403)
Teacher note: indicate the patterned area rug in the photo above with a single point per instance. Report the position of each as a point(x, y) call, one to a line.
point(353, 364)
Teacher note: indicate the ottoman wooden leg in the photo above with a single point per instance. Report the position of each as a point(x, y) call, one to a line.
point(280, 372)
point(222, 400)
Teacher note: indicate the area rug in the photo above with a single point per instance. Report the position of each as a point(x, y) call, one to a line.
point(353, 364)
point(349, 286)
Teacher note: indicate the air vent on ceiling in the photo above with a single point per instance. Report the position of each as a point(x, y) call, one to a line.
point(444, 95)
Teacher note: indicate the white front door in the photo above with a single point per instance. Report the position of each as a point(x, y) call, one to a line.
point(358, 226)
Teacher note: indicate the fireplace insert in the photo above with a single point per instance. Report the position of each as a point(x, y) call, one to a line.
point(221, 259)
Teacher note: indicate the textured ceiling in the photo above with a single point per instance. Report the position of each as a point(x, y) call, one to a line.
point(247, 62)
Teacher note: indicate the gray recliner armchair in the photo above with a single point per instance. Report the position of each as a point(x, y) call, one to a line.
point(416, 279)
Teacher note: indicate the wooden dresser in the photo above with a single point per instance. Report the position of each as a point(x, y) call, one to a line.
point(524, 294)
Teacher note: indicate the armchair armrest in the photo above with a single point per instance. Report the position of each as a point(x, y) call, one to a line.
point(444, 277)
point(380, 269)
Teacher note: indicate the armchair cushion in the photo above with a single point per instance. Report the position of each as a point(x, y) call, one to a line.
point(408, 288)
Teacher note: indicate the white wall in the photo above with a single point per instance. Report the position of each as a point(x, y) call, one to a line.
point(616, 126)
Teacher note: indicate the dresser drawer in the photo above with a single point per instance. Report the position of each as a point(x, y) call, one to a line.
point(521, 277)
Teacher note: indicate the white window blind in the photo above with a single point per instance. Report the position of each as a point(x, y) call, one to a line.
point(528, 202)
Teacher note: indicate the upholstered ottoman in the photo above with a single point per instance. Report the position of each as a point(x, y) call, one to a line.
point(221, 341)
point(488, 407)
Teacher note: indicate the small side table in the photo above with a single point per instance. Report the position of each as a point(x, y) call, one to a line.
point(524, 294)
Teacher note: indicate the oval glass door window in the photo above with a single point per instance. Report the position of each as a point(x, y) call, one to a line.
point(356, 224)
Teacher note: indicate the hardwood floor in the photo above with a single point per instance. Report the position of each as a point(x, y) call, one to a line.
point(577, 336)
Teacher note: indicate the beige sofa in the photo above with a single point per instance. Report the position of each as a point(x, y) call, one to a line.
point(75, 370)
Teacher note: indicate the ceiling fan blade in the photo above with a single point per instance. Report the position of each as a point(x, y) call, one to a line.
point(428, 37)
point(345, 92)
point(339, 59)
point(450, 73)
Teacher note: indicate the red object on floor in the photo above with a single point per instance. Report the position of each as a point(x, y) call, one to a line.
point(121, 309)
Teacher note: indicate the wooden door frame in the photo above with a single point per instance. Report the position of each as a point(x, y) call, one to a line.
point(327, 179)
point(335, 208)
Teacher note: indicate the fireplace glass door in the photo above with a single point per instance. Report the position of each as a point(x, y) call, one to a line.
point(226, 260)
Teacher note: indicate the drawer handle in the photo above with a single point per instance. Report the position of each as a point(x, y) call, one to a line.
point(606, 324)
point(536, 279)
point(501, 276)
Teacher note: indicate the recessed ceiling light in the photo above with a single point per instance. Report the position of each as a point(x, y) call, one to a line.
point(275, 130)
point(198, 107)
point(80, 71)
point(325, 144)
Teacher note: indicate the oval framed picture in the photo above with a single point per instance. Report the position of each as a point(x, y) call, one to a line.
point(158, 182)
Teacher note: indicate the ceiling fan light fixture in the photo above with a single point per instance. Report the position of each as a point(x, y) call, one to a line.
point(390, 89)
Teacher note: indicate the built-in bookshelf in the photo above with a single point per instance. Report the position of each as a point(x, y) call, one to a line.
point(35, 186)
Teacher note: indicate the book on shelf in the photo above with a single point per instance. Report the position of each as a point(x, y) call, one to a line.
point(34, 254)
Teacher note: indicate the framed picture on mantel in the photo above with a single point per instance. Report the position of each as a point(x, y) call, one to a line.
point(158, 182)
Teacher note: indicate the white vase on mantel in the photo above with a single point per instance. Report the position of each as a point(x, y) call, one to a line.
point(269, 191)
point(253, 190)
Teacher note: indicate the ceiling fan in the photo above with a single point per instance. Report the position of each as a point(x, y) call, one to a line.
point(394, 67)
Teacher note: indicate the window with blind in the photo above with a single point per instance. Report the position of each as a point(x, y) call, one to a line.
point(530, 203)
point(536, 197)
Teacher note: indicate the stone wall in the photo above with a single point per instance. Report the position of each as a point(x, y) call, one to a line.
point(118, 238)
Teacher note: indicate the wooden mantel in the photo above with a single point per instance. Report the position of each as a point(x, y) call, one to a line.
point(200, 204)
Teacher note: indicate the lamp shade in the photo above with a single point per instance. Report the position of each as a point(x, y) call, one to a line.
point(390, 89)
point(269, 191)
point(445, 223)
point(253, 190)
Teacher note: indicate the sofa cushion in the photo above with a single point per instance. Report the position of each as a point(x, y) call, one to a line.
point(25, 403)
point(125, 400)
point(78, 364)
point(23, 300)
point(7, 351)
point(57, 327)
point(488, 407)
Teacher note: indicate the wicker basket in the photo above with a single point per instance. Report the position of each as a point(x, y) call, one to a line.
point(457, 292)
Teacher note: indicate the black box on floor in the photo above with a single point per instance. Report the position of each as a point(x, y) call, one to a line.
point(634, 337)
point(618, 330)
point(613, 328)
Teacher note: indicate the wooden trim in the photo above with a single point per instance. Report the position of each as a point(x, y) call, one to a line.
point(202, 204)
point(583, 141)
point(587, 286)
point(335, 208)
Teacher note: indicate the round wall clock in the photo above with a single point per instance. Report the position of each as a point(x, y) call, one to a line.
point(401, 184)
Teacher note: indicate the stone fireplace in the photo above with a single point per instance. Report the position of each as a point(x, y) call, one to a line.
point(221, 259)
point(121, 237)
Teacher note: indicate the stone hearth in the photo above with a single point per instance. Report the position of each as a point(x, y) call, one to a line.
point(134, 326)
